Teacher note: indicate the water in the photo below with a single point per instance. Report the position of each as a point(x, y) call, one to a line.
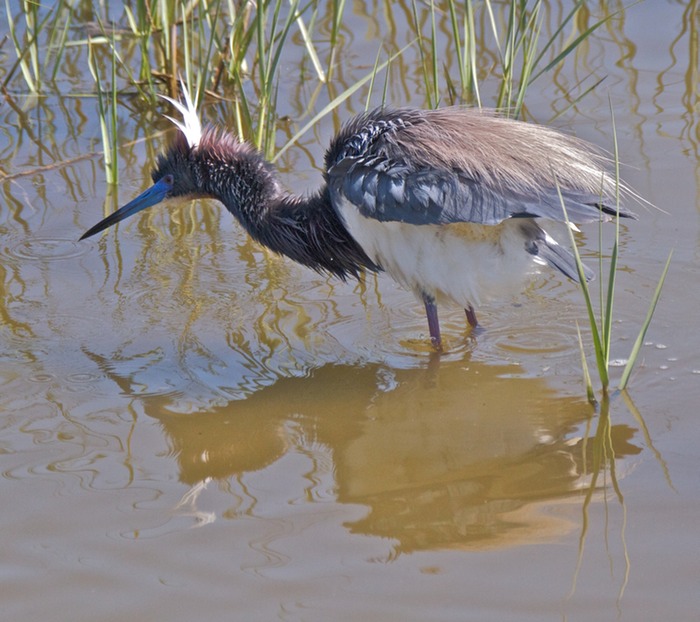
point(191, 427)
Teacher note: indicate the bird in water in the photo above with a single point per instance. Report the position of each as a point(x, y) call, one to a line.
point(449, 202)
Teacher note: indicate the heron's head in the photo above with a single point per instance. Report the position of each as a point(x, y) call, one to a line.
point(173, 175)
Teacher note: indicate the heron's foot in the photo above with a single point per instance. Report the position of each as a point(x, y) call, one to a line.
point(471, 317)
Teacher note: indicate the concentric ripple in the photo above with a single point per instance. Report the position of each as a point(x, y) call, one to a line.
point(42, 249)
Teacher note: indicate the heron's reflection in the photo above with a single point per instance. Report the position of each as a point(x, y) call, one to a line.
point(453, 454)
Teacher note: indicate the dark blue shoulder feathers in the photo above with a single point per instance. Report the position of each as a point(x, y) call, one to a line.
point(364, 134)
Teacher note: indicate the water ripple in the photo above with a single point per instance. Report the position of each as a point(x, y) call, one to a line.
point(42, 249)
point(558, 338)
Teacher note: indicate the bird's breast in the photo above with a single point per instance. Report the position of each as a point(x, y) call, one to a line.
point(461, 262)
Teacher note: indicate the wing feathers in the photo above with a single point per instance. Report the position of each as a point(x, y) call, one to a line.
point(464, 165)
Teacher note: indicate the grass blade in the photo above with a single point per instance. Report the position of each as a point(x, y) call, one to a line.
point(597, 342)
point(310, 48)
point(645, 326)
point(335, 102)
point(590, 393)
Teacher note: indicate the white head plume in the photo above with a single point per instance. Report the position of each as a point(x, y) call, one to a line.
point(190, 125)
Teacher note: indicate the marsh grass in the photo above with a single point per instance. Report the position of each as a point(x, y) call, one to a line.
point(233, 49)
point(107, 111)
point(601, 323)
point(464, 36)
point(26, 45)
point(523, 54)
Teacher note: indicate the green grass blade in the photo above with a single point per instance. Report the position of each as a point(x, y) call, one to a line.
point(578, 98)
point(494, 28)
point(102, 113)
point(530, 45)
point(590, 393)
point(645, 326)
point(373, 75)
point(434, 54)
point(21, 52)
point(60, 46)
point(310, 48)
point(460, 51)
point(470, 34)
point(612, 274)
point(422, 55)
point(597, 342)
point(275, 59)
point(609, 300)
point(335, 102)
point(556, 34)
point(338, 9)
point(574, 44)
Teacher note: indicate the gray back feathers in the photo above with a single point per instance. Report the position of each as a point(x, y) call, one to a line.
point(465, 165)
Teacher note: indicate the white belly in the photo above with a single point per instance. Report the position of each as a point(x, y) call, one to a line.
point(465, 263)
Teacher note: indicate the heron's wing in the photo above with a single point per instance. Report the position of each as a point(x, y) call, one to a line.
point(388, 190)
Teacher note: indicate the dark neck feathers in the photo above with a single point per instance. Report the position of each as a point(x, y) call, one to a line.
point(305, 229)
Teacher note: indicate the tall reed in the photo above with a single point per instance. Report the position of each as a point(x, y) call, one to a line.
point(107, 112)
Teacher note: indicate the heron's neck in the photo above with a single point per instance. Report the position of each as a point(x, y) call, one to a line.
point(306, 229)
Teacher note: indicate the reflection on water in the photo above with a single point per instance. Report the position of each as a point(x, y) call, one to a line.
point(438, 455)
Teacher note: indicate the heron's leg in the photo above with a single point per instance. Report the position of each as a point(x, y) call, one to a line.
point(471, 317)
point(433, 323)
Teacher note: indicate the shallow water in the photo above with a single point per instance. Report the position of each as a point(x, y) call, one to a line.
point(191, 427)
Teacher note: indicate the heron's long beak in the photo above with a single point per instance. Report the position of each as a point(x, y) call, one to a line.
point(155, 194)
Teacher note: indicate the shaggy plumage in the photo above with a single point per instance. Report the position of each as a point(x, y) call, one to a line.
point(445, 201)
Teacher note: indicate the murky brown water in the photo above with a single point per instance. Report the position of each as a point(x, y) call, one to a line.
point(192, 428)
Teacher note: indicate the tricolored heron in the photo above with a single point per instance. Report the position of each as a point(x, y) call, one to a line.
point(446, 201)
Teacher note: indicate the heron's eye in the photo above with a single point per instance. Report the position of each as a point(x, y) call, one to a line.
point(169, 179)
